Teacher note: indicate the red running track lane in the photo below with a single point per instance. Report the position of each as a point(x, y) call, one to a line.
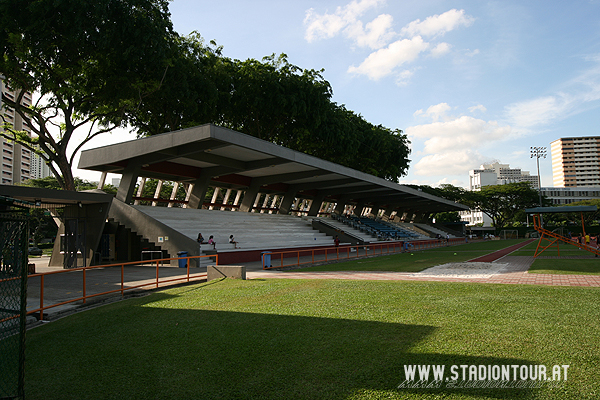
point(501, 253)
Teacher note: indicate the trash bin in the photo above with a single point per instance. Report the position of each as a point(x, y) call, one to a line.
point(182, 258)
point(266, 259)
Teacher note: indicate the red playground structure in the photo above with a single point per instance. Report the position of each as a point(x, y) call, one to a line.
point(552, 239)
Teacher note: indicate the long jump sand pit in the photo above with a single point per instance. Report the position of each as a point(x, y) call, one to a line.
point(469, 270)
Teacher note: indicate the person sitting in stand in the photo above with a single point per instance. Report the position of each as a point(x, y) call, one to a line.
point(212, 241)
point(200, 239)
point(336, 241)
point(232, 240)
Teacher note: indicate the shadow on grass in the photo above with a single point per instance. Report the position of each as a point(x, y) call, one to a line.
point(134, 350)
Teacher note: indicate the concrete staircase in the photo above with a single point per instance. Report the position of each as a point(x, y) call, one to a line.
point(366, 237)
point(250, 230)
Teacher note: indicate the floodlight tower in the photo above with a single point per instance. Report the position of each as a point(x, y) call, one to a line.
point(538, 152)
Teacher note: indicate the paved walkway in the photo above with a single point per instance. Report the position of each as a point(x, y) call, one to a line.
point(65, 286)
point(514, 273)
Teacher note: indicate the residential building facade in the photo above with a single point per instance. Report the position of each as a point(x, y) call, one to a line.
point(576, 161)
point(568, 195)
point(493, 174)
point(18, 163)
point(499, 174)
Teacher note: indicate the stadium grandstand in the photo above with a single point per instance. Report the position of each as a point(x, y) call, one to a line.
point(267, 196)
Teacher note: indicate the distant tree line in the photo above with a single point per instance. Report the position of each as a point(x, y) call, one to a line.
point(506, 204)
point(102, 64)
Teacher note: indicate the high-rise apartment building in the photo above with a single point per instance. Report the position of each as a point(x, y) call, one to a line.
point(499, 174)
point(576, 161)
point(18, 161)
point(493, 174)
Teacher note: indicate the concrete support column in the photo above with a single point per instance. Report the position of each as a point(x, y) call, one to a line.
point(297, 204)
point(358, 210)
point(374, 212)
point(387, 213)
point(226, 198)
point(286, 204)
point(215, 196)
point(340, 207)
point(173, 194)
point(157, 192)
point(101, 181)
point(315, 207)
point(238, 196)
point(188, 192)
point(265, 203)
point(128, 181)
point(198, 191)
point(274, 203)
point(140, 190)
point(249, 198)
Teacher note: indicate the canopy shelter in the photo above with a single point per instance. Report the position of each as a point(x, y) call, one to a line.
point(553, 238)
point(210, 156)
point(80, 217)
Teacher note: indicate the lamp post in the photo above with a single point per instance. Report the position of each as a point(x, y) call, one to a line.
point(538, 152)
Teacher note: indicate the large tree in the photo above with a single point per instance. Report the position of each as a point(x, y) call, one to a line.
point(273, 100)
point(88, 62)
point(502, 202)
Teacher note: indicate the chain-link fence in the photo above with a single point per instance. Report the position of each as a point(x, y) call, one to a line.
point(13, 302)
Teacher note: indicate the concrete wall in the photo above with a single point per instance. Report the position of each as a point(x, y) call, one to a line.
point(94, 216)
point(151, 229)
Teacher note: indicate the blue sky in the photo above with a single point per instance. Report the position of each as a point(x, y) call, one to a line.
point(468, 81)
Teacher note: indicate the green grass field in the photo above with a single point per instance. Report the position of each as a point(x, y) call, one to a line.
point(564, 264)
point(416, 261)
point(314, 339)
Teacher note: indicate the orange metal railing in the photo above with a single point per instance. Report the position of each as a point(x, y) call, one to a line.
point(312, 256)
point(158, 281)
point(555, 239)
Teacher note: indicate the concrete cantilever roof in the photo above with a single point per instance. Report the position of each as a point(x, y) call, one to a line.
point(236, 160)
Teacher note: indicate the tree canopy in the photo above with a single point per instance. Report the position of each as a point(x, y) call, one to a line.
point(89, 62)
point(273, 100)
point(101, 64)
point(502, 202)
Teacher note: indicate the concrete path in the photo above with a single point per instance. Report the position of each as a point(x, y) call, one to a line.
point(514, 273)
point(65, 286)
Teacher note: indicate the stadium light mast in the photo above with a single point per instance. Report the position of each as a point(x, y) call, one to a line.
point(538, 152)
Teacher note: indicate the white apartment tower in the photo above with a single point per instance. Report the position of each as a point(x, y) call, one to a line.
point(576, 161)
point(493, 174)
point(18, 163)
point(499, 174)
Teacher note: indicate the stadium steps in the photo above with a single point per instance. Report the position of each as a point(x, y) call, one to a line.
point(364, 236)
point(250, 230)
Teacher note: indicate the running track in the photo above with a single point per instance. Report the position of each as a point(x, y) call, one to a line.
point(514, 273)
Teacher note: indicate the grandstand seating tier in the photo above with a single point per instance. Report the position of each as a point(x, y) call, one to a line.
point(250, 230)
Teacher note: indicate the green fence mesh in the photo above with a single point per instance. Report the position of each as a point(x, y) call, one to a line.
point(13, 303)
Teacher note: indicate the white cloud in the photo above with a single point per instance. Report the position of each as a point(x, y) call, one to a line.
point(377, 33)
point(383, 62)
point(540, 111)
point(451, 144)
point(438, 25)
point(345, 19)
point(577, 95)
point(477, 108)
point(403, 77)
point(457, 162)
point(436, 112)
point(458, 133)
point(440, 49)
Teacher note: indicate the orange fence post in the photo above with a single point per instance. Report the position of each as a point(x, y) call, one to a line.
point(188, 260)
point(84, 285)
point(41, 297)
point(122, 280)
point(188, 268)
